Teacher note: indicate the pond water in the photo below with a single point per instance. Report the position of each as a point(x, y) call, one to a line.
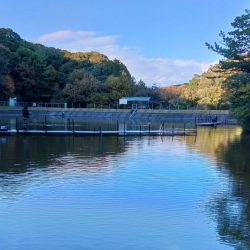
point(118, 193)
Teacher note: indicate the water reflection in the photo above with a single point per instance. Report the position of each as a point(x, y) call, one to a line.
point(231, 207)
point(40, 151)
point(27, 159)
point(156, 187)
point(210, 141)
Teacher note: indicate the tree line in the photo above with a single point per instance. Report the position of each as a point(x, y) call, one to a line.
point(35, 73)
point(227, 84)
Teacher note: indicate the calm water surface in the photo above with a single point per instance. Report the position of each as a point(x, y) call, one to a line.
point(114, 193)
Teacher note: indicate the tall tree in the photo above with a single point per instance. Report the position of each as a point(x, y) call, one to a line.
point(236, 42)
point(235, 47)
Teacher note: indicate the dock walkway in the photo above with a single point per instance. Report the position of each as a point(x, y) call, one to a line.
point(169, 132)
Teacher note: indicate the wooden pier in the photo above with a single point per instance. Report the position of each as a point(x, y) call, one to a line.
point(168, 132)
point(208, 124)
point(70, 127)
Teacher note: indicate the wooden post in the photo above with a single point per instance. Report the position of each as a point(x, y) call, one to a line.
point(140, 130)
point(124, 127)
point(73, 126)
point(45, 124)
point(68, 123)
point(17, 124)
point(172, 129)
point(117, 126)
point(184, 129)
point(100, 129)
point(149, 128)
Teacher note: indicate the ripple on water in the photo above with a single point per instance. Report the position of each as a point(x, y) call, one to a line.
point(111, 193)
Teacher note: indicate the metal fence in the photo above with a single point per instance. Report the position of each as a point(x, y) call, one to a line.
point(34, 104)
point(151, 106)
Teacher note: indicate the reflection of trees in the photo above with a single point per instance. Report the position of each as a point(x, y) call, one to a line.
point(25, 159)
point(231, 208)
point(210, 140)
point(19, 154)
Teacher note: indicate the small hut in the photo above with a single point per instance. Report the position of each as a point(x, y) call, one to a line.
point(135, 102)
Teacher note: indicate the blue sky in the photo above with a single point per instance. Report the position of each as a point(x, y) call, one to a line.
point(160, 41)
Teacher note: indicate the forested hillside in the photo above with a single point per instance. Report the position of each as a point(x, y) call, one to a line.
point(33, 72)
point(208, 89)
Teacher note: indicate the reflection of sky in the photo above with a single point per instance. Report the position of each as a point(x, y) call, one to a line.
point(151, 196)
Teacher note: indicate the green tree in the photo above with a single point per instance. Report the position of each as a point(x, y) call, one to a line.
point(140, 89)
point(236, 43)
point(5, 90)
point(9, 39)
point(118, 87)
point(207, 89)
point(190, 93)
point(33, 72)
point(81, 88)
point(239, 92)
point(235, 47)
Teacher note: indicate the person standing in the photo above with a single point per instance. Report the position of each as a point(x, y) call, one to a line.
point(26, 115)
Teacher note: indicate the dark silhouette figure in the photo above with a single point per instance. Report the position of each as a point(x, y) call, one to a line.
point(26, 115)
point(215, 119)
